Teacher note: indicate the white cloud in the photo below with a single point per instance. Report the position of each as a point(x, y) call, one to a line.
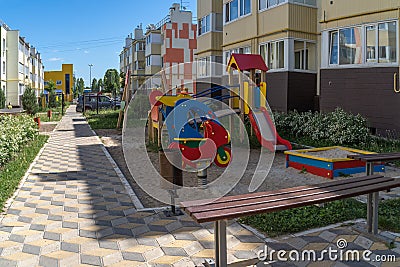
point(55, 59)
point(86, 52)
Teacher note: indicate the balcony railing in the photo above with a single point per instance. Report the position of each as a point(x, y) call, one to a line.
point(159, 24)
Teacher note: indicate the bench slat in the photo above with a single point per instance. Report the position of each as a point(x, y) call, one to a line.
point(291, 203)
point(376, 157)
point(277, 192)
point(275, 198)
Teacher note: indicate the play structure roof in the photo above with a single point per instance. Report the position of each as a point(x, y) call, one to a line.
point(242, 62)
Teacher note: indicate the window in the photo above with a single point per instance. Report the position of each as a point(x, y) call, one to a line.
point(204, 24)
point(203, 67)
point(387, 42)
point(264, 4)
point(148, 61)
point(4, 67)
point(4, 45)
point(237, 8)
point(140, 46)
point(245, 7)
point(273, 54)
point(346, 46)
point(58, 82)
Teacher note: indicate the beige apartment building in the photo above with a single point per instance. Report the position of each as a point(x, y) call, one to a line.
point(20, 66)
point(321, 54)
point(163, 46)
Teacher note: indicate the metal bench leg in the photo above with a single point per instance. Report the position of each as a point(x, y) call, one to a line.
point(375, 204)
point(220, 243)
point(369, 213)
point(369, 169)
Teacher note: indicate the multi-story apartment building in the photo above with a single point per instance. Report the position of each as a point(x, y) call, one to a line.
point(20, 66)
point(320, 54)
point(3, 57)
point(360, 60)
point(209, 42)
point(162, 46)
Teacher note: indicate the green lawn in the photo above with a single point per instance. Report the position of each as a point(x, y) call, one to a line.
point(301, 219)
point(106, 119)
point(12, 172)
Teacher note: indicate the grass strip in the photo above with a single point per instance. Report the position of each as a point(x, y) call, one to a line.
point(13, 171)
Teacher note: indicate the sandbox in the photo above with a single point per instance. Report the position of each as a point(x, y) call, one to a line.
point(328, 162)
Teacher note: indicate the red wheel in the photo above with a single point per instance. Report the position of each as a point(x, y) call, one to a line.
point(224, 160)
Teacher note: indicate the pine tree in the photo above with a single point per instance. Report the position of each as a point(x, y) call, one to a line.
point(29, 101)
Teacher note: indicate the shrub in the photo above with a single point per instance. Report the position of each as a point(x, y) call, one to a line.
point(29, 101)
point(2, 99)
point(15, 132)
point(337, 127)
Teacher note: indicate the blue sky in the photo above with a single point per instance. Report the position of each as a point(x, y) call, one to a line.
point(82, 32)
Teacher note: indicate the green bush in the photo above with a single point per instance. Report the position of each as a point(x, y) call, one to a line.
point(2, 99)
point(29, 101)
point(337, 127)
point(15, 132)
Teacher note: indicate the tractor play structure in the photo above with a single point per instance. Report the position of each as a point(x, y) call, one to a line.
point(195, 129)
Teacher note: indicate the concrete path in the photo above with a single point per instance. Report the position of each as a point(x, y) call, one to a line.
point(74, 210)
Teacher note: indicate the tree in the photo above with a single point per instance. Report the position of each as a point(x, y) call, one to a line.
point(51, 88)
point(122, 79)
point(80, 86)
point(111, 81)
point(29, 100)
point(94, 85)
point(2, 99)
point(100, 84)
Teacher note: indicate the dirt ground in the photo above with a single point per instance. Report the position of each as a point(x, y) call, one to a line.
point(278, 177)
point(47, 127)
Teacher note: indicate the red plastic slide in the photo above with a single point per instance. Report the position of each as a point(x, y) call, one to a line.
point(266, 131)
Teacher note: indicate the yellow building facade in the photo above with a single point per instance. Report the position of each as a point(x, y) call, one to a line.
point(63, 80)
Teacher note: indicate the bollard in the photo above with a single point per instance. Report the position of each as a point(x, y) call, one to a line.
point(172, 175)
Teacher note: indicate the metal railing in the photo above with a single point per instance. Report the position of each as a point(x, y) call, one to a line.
point(166, 19)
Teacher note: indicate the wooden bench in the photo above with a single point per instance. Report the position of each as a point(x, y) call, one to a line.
point(230, 207)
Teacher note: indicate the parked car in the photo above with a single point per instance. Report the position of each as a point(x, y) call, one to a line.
point(91, 103)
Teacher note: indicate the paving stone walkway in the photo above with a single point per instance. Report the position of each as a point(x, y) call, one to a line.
point(74, 210)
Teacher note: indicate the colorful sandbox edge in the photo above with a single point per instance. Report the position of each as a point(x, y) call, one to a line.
point(328, 167)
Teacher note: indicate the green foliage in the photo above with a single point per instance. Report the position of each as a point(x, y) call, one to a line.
point(51, 88)
point(12, 172)
point(106, 119)
point(100, 84)
point(111, 81)
point(336, 128)
point(95, 86)
point(300, 219)
point(389, 215)
point(15, 132)
point(2, 99)
point(29, 101)
point(80, 86)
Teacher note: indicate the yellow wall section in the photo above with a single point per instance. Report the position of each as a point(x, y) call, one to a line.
point(60, 76)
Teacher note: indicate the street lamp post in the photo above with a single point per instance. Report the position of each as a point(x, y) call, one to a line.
point(90, 76)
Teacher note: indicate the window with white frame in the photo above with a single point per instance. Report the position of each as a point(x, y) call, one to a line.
point(140, 46)
point(304, 55)
point(203, 67)
point(265, 4)
point(4, 67)
point(240, 50)
point(273, 54)
point(148, 61)
point(204, 24)
point(237, 8)
point(346, 45)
